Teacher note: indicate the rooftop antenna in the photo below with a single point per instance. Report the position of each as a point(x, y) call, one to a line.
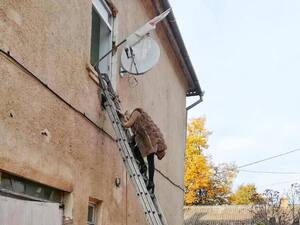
point(141, 52)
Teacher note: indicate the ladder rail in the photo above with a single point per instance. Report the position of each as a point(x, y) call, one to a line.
point(151, 207)
point(129, 160)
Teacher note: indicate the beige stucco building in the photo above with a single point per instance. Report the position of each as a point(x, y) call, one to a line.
point(56, 143)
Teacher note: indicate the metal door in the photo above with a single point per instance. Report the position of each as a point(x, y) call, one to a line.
point(23, 212)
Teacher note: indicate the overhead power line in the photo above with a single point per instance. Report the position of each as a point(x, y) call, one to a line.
point(269, 158)
point(278, 183)
point(267, 172)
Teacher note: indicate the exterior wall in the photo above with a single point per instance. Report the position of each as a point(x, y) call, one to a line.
point(52, 39)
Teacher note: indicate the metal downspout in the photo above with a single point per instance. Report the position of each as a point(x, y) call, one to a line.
point(195, 103)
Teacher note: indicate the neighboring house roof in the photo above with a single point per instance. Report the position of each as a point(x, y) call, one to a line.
point(177, 43)
point(217, 215)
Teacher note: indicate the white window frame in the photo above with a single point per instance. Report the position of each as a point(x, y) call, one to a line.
point(104, 11)
point(105, 14)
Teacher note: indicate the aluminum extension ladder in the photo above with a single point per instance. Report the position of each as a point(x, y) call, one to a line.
point(150, 205)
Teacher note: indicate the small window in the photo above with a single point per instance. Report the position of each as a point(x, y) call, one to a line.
point(91, 218)
point(101, 35)
point(94, 212)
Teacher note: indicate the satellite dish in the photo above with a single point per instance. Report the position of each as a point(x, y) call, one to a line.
point(139, 58)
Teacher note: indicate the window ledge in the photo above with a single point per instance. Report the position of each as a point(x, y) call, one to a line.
point(68, 221)
point(92, 73)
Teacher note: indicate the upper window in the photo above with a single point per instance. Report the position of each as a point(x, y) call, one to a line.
point(101, 35)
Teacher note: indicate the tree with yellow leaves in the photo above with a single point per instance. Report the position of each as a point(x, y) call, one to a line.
point(245, 194)
point(219, 189)
point(204, 183)
point(197, 169)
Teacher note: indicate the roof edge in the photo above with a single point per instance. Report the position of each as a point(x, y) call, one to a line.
point(178, 45)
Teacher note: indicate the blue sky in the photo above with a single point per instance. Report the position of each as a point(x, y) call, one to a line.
point(247, 57)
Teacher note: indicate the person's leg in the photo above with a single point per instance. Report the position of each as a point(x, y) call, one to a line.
point(151, 168)
point(137, 154)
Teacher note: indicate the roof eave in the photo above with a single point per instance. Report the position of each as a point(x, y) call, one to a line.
point(178, 45)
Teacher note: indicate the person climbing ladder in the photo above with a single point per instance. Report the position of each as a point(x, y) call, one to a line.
point(148, 141)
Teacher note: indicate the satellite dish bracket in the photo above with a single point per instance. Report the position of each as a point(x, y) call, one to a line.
point(122, 71)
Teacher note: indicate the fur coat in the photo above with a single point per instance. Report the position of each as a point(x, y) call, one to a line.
point(148, 137)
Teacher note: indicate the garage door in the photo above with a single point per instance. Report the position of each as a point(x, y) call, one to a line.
point(22, 212)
